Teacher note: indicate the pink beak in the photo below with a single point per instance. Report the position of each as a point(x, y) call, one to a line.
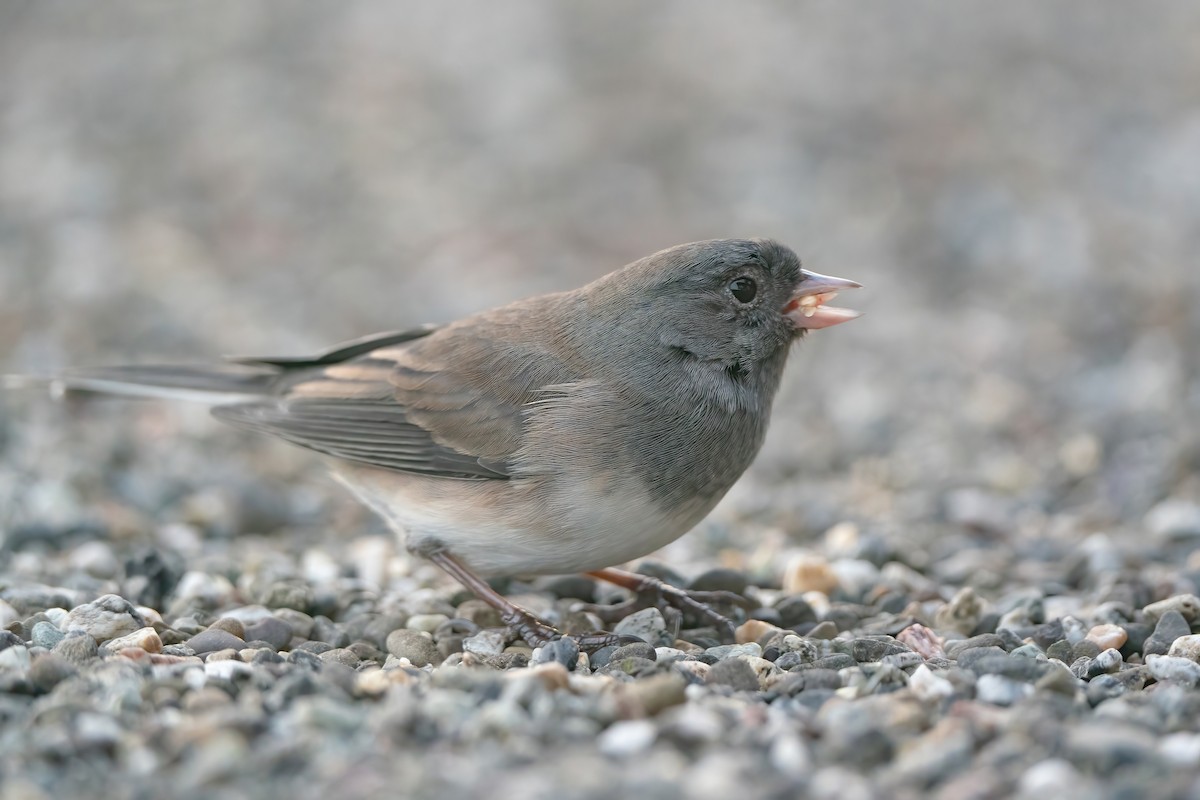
point(807, 309)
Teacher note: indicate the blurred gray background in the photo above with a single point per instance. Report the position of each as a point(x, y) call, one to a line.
point(1016, 184)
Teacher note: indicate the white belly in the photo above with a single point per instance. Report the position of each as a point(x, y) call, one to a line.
point(522, 526)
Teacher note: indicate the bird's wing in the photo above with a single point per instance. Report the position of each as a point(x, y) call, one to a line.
point(448, 404)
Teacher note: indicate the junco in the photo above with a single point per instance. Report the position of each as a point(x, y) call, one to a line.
point(563, 433)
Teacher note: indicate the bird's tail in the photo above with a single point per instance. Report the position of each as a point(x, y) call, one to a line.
point(204, 384)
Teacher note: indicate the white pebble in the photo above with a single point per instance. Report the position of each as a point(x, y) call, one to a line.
point(627, 738)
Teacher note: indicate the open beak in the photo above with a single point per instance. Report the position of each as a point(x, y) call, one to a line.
point(806, 308)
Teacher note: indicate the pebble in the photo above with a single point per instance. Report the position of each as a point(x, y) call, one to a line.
point(428, 623)
point(720, 580)
point(1186, 647)
point(808, 572)
point(648, 625)
point(735, 673)
point(726, 651)
point(627, 738)
point(794, 610)
point(78, 649)
point(1174, 668)
point(1171, 625)
point(1001, 691)
point(145, 639)
point(214, 639)
point(105, 618)
point(45, 635)
point(929, 686)
point(486, 643)
point(1188, 605)
point(272, 630)
point(564, 651)
point(922, 640)
point(753, 630)
point(961, 614)
point(48, 670)
point(417, 646)
point(1108, 636)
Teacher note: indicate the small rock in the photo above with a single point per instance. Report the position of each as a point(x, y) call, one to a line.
point(1174, 668)
point(230, 625)
point(341, 655)
point(753, 630)
point(633, 650)
point(564, 651)
point(962, 613)
point(794, 610)
point(627, 738)
point(145, 639)
point(652, 695)
point(1171, 625)
point(552, 675)
point(485, 643)
point(427, 623)
point(105, 618)
point(48, 670)
point(808, 572)
point(8, 614)
point(929, 686)
point(855, 576)
point(300, 623)
point(326, 630)
point(44, 634)
point(648, 625)
point(479, 613)
point(417, 646)
point(1186, 647)
point(826, 629)
point(1001, 691)
point(214, 639)
point(78, 648)
point(272, 630)
point(734, 673)
point(922, 640)
point(1108, 636)
point(732, 650)
point(1174, 520)
point(14, 659)
point(720, 580)
point(1186, 604)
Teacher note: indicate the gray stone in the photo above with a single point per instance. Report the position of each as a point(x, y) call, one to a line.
point(734, 673)
point(1174, 668)
point(634, 650)
point(648, 625)
point(1001, 691)
point(563, 651)
point(720, 580)
point(48, 670)
point(77, 648)
point(214, 639)
point(45, 635)
point(272, 630)
point(417, 646)
point(955, 649)
point(1171, 625)
point(105, 618)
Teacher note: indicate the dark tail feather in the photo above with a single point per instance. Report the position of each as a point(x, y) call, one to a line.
point(215, 384)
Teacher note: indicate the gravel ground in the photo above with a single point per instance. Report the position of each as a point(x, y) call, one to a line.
point(970, 539)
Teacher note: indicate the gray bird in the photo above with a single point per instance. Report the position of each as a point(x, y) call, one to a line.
point(563, 433)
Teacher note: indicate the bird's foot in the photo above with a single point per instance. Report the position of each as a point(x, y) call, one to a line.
point(537, 632)
point(650, 592)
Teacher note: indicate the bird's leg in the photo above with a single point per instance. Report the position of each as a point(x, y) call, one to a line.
point(651, 591)
point(534, 631)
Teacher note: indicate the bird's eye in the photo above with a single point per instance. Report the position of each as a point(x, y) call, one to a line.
point(743, 289)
